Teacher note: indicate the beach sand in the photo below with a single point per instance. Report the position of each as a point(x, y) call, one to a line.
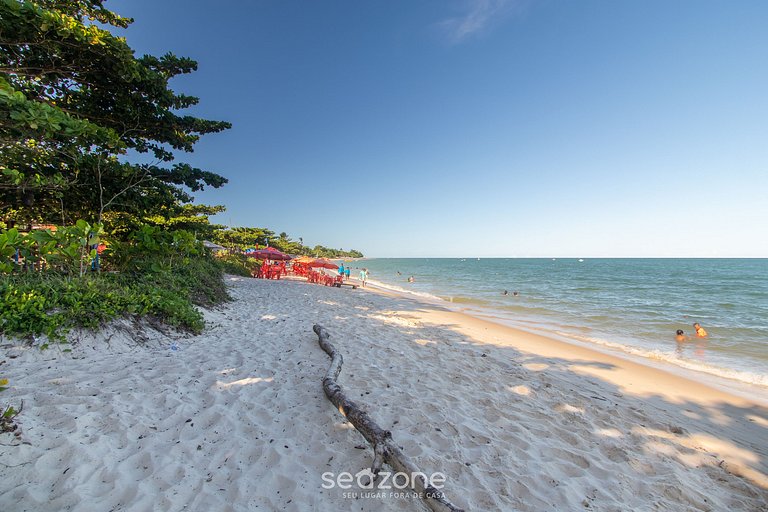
point(235, 419)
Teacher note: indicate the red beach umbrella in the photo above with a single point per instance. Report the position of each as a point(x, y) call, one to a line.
point(269, 253)
point(323, 263)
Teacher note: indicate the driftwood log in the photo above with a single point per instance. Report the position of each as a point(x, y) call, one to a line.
point(384, 449)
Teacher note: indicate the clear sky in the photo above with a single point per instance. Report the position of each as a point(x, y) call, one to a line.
point(481, 127)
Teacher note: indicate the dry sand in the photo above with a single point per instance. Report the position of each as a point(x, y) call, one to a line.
point(236, 419)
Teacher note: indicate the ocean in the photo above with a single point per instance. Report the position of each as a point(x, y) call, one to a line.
point(631, 305)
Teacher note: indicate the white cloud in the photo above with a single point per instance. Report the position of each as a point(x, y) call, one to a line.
point(481, 15)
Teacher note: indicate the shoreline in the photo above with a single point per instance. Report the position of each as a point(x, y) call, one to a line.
point(695, 371)
point(632, 375)
point(235, 418)
point(549, 344)
point(746, 390)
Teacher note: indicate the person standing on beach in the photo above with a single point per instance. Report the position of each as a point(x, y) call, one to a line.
point(364, 276)
point(347, 271)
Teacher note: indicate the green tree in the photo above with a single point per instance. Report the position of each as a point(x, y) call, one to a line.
point(327, 252)
point(74, 100)
point(243, 238)
point(189, 217)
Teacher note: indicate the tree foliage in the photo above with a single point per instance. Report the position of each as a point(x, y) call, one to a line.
point(243, 238)
point(327, 252)
point(74, 101)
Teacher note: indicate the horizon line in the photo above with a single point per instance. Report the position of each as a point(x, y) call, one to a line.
point(568, 257)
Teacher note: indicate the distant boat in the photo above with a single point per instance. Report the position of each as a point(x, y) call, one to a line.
point(581, 260)
point(554, 259)
point(478, 259)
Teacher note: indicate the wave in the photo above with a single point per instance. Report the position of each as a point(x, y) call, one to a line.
point(404, 291)
point(467, 300)
point(672, 358)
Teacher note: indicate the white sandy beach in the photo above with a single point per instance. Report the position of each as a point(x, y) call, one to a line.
point(236, 418)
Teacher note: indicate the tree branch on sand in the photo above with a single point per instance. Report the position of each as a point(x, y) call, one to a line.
point(385, 450)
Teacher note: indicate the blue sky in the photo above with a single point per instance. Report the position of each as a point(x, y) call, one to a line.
point(481, 127)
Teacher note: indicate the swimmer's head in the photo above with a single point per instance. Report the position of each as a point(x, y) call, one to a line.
point(680, 332)
point(696, 325)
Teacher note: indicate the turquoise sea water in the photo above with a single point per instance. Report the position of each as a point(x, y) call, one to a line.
point(633, 305)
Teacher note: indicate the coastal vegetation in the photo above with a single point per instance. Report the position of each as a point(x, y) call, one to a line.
point(97, 217)
point(243, 238)
point(89, 137)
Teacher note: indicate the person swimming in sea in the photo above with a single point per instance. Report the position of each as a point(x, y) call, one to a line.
point(680, 339)
point(505, 292)
point(700, 332)
point(411, 279)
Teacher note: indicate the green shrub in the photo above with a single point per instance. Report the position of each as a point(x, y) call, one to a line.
point(155, 273)
point(237, 264)
point(69, 249)
point(50, 304)
point(151, 249)
point(200, 279)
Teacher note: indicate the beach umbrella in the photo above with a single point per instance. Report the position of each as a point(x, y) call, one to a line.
point(323, 263)
point(305, 260)
point(269, 253)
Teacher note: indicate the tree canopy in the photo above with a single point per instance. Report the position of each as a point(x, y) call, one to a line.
point(80, 117)
point(74, 101)
point(243, 238)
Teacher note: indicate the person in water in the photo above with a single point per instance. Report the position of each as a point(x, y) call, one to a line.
point(680, 339)
point(411, 279)
point(515, 294)
point(505, 292)
point(700, 332)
